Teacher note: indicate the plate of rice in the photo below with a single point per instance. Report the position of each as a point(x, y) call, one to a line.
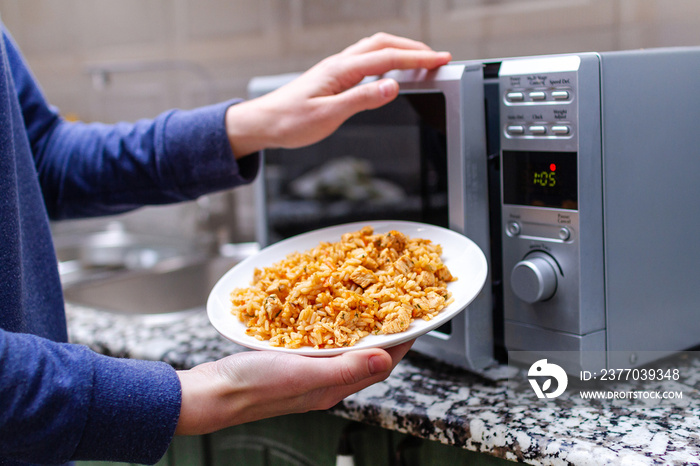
point(346, 287)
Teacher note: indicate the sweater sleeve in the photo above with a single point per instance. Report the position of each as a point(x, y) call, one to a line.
point(96, 169)
point(78, 404)
point(89, 169)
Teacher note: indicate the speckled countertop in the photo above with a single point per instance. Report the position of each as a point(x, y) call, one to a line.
point(430, 400)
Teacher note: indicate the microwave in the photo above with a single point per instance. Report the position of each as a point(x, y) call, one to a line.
point(576, 174)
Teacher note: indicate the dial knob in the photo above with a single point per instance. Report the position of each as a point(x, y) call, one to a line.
point(534, 278)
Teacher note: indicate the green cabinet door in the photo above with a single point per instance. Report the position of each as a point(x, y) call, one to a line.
point(313, 439)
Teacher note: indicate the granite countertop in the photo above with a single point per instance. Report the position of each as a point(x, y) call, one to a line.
point(428, 399)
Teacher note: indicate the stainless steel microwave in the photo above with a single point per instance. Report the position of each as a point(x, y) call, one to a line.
point(578, 175)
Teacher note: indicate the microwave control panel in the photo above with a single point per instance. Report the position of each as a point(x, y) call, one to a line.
point(539, 195)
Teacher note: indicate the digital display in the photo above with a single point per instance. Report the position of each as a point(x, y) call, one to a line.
point(540, 179)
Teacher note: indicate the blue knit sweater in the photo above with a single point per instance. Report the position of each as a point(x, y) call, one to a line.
point(61, 402)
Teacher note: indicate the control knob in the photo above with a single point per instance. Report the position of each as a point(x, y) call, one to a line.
point(534, 278)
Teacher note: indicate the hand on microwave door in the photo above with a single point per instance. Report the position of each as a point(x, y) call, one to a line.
point(249, 386)
point(315, 104)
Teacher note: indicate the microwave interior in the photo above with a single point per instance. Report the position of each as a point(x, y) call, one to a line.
point(387, 163)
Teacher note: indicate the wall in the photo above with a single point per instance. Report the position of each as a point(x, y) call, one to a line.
point(190, 52)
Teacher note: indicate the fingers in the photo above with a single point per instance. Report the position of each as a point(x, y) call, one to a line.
point(377, 55)
point(380, 61)
point(366, 367)
point(363, 97)
point(385, 52)
point(348, 372)
point(398, 352)
point(382, 40)
point(356, 367)
point(362, 370)
point(353, 68)
point(349, 70)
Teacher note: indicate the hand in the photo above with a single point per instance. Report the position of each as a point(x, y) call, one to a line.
point(254, 385)
point(314, 105)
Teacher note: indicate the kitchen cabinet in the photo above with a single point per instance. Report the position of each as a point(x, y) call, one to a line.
point(313, 439)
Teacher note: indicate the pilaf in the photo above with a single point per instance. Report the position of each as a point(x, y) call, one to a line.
point(336, 293)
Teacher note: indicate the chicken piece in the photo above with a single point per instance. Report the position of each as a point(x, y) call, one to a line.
point(279, 288)
point(351, 238)
point(435, 301)
point(365, 257)
point(443, 273)
point(370, 263)
point(387, 256)
point(397, 322)
point(394, 240)
point(366, 231)
point(426, 279)
point(272, 306)
point(404, 265)
point(363, 277)
point(429, 303)
point(347, 317)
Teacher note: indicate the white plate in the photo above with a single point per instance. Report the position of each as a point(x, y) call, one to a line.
point(461, 255)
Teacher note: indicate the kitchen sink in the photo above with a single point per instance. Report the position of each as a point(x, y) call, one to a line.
point(175, 285)
point(84, 254)
point(122, 273)
point(128, 273)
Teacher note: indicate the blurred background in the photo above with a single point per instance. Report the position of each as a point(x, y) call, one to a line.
point(106, 60)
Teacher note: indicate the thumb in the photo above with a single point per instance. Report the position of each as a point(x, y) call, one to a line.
point(320, 383)
point(358, 366)
point(349, 370)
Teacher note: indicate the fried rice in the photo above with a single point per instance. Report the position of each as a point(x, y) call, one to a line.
point(336, 293)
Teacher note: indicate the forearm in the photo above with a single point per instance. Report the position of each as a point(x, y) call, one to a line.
point(97, 169)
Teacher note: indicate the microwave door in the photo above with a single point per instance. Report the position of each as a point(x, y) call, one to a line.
point(419, 158)
point(466, 341)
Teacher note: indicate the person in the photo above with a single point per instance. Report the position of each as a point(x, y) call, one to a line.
point(61, 402)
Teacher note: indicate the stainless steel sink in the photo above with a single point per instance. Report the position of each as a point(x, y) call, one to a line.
point(117, 248)
point(125, 273)
point(172, 286)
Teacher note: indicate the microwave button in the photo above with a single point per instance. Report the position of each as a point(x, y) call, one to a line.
point(564, 234)
point(515, 97)
point(538, 95)
point(513, 228)
point(515, 130)
point(560, 95)
point(560, 130)
point(538, 130)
